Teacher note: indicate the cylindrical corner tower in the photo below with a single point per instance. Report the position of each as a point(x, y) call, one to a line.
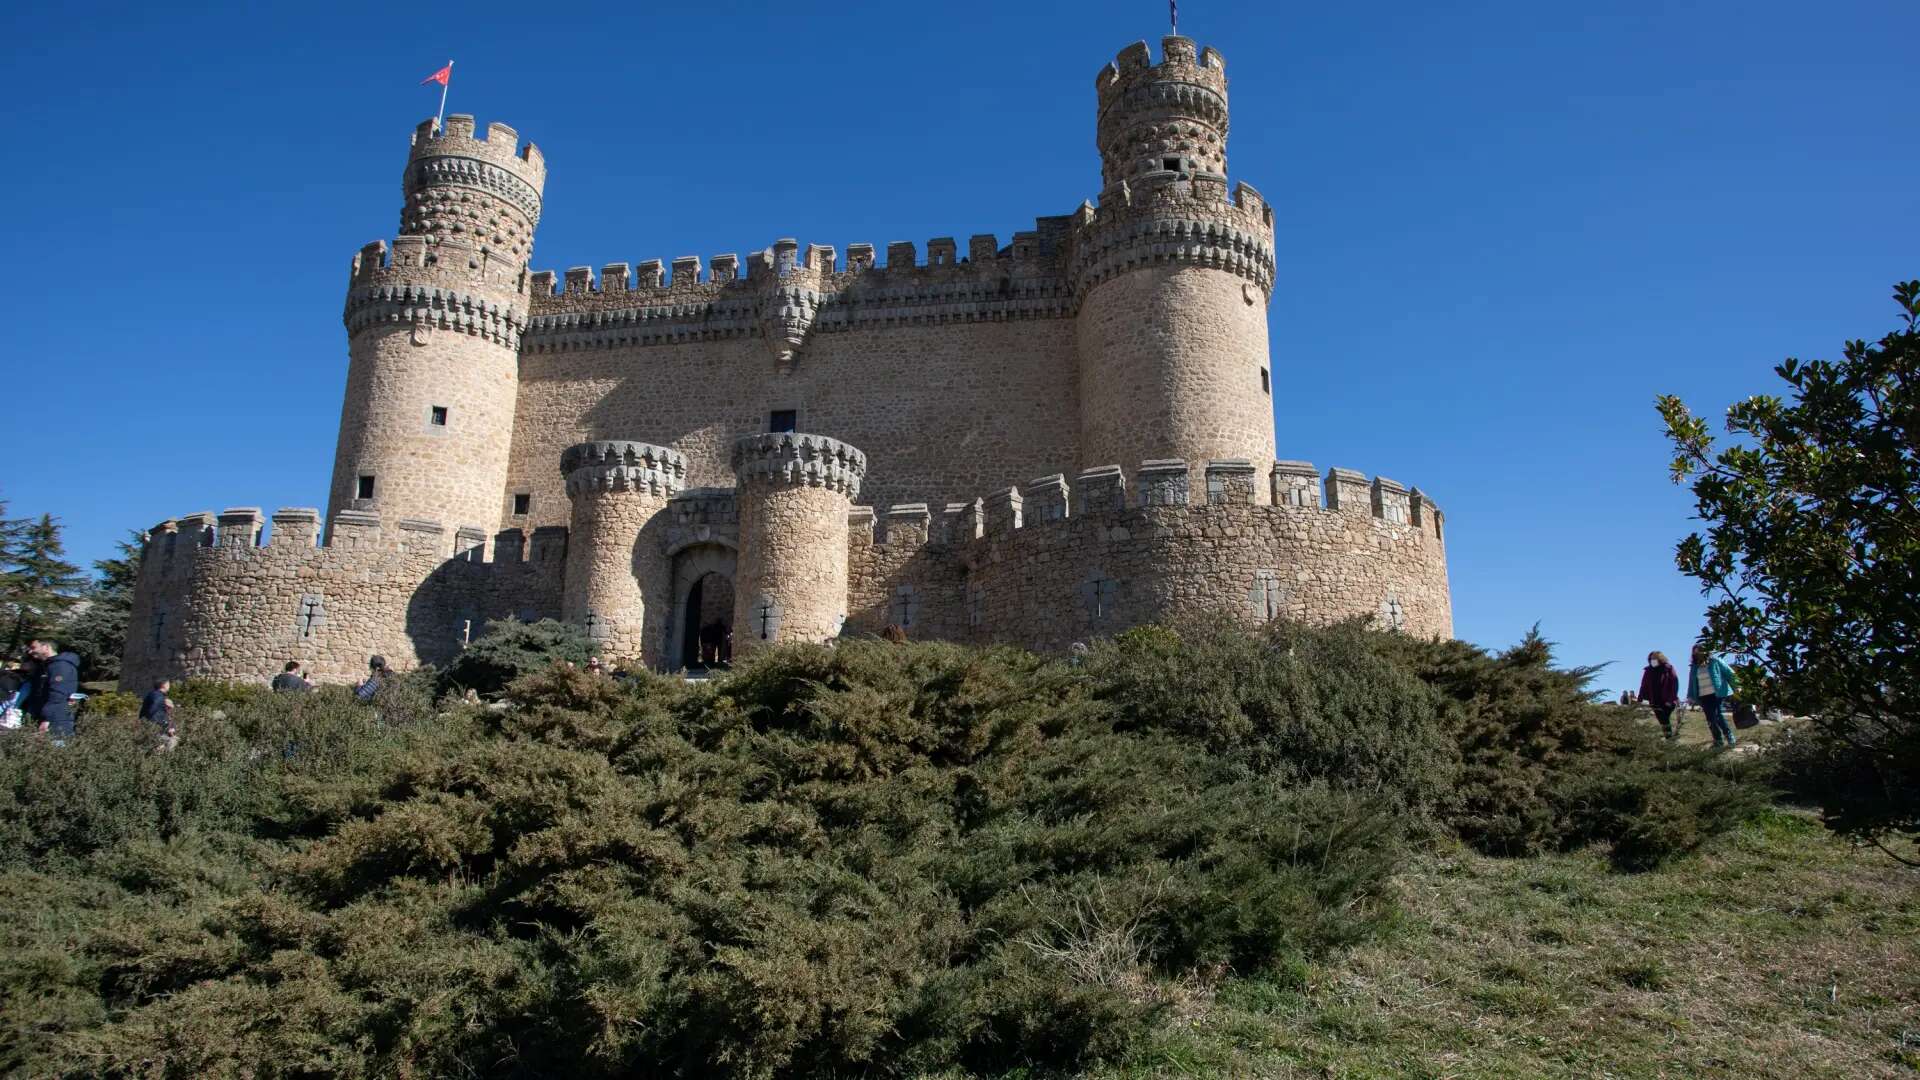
point(433, 332)
point(617, 573)
point(794, 494)
point(1173, 272)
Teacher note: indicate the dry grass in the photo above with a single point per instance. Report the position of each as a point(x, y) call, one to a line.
point(1778, 952)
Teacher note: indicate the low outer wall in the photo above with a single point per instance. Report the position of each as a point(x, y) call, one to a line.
point(1037, 572)
point(215, 604)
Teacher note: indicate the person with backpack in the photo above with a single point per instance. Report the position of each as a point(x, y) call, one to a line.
point(1660, 689)
point(1710, 684)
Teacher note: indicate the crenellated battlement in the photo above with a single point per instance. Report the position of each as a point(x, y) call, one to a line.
point(1164, 218)
point(795, 459)
point(1289, 488)
point(1170, 116)
point(242, 532)
point(500, 146)
point(618, 465)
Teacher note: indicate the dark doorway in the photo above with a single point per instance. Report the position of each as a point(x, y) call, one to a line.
point(706, 632)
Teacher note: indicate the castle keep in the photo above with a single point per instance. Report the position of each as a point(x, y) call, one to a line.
point(1035, 441)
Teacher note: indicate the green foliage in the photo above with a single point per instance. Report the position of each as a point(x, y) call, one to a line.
point(873, 858)
point(1293, 704)
point(37, 584)
point(1543, 768)
point(509, 649)
point(1812, 559)
point(110, 705)
point(97, 629)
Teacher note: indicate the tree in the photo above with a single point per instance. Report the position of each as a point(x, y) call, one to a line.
point(97, 627)
point(37, 584)
point(1812, 559)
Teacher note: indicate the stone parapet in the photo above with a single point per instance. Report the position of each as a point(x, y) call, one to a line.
point(799, 460)
point(618, 465)
point(496, 163)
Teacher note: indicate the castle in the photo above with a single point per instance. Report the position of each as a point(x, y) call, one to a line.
point(1035, 442)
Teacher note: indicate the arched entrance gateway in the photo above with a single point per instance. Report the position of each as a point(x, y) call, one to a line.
point(700, 628)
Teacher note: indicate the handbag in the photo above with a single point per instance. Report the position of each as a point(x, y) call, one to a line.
point(1744, 716)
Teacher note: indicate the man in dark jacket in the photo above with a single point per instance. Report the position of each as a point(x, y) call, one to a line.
point(290, 680)
point(57, 681)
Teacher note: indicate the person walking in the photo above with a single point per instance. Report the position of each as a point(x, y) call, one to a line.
point(157, 709)
point(53, 688)
point(290, 681)
point(377, 675)
point(1710, 683)
point(1660, 688)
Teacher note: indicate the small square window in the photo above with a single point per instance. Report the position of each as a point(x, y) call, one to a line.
point(438, 416)
point(1266, 382)
point(365, 488)
point(784, 420)
point(1172, 164)
point(522, 503)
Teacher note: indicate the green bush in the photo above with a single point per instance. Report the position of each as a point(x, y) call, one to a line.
point(872, 858)
point(109, 705)
point(1293, 704)
point(509, 649)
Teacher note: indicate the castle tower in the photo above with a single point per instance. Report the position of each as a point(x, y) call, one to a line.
point(617, 573)
point(433, 332)
point(1174, 275)
point(794, 494)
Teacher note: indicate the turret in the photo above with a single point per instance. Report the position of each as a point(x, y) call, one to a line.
point(433, 332)
point(617, 573)
point(794, 494)
point(1174, 273)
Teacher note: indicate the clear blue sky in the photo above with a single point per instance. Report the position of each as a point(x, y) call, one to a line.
point(1502, 230)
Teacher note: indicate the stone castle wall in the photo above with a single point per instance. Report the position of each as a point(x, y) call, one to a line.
point(213, 601)
point(1129, 330)
point(1053, 563)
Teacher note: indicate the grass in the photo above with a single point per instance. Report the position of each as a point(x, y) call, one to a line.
point(1776, 952)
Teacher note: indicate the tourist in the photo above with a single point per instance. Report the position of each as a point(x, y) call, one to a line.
point(1660, 688)
point(377, 676)
point(593, 666)
point(289, 681)
point(894, 633)
point(1710, 682)
point(16, 684)
point(157, 709)
point(53, 686)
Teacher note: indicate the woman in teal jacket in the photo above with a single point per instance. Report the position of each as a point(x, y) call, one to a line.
point(1710, 684)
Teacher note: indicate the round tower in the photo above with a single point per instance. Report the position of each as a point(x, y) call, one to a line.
point(1173, 272)
point(794, 493)
point(617, 574)
point(433, 333)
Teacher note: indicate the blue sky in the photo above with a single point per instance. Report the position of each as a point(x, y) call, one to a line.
point(1502, 229)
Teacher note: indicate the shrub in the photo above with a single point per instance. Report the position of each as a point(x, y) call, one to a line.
point(1294, 704)
point(109, 705)
point(874, 858)
point(510, 649)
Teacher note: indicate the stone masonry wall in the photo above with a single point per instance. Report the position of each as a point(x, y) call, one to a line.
point(211, 602)
point(794, 496)
point(1041, 571)
point(618, 573)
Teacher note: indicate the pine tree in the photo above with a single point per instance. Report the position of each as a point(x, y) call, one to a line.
point(97, 627)
point(38, 586)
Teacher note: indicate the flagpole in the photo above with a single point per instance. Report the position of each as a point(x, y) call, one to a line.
point(440, 117)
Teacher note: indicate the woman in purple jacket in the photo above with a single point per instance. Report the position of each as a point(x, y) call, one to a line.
point(1660, 688)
